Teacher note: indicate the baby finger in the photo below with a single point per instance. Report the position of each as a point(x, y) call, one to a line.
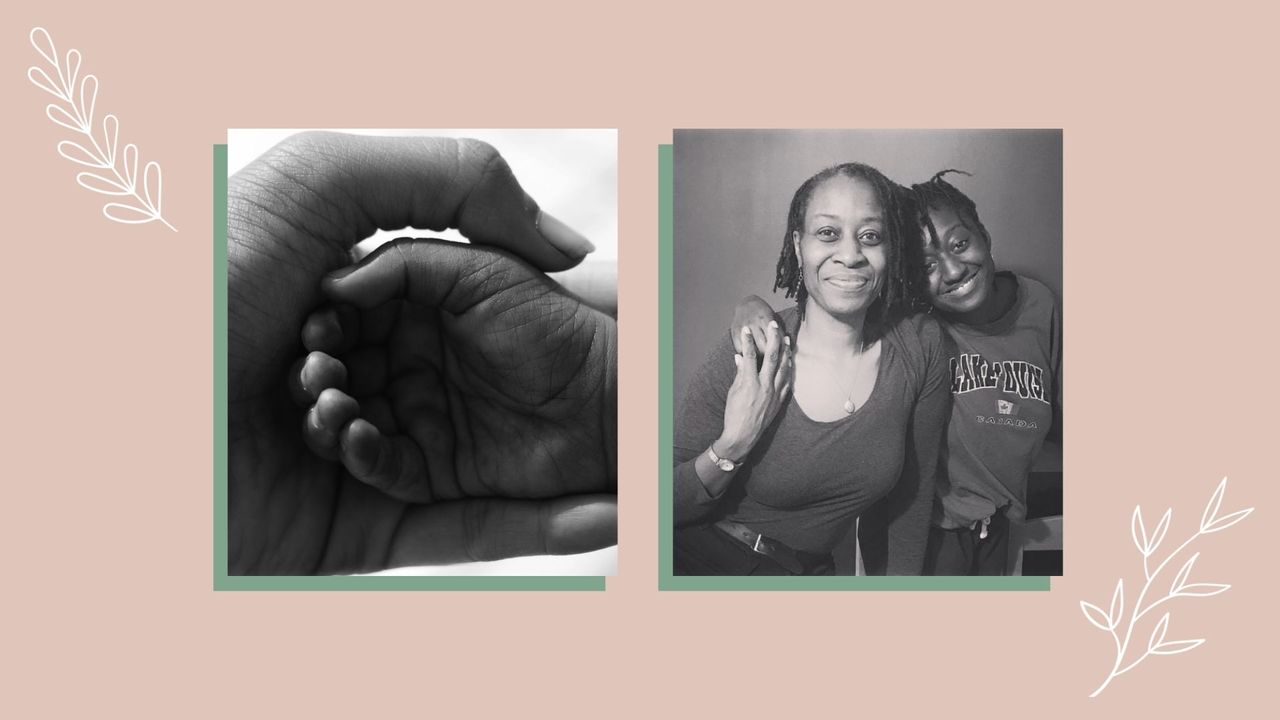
point(326, 419)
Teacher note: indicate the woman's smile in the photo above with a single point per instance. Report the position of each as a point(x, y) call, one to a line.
point(965, 287)
point(849, 282)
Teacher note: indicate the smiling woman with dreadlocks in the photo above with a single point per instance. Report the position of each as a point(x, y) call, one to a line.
point(1006, 381)
point(776, 459)
point(1005, 375)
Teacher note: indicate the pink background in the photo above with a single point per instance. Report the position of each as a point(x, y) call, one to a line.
point(1170, 153)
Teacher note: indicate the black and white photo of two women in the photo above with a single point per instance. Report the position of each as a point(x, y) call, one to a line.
point(422, 352)
point(867, 352)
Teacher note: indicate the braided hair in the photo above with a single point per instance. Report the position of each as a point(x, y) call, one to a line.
point(938, 193)
point(902, 292)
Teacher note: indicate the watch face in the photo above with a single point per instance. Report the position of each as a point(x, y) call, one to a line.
point(725, 465)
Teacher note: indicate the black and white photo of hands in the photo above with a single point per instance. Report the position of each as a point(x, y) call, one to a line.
point(429, 403)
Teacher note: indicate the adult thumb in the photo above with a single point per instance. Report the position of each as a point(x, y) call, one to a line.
point(360, 184)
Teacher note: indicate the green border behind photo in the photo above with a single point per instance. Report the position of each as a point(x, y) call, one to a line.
point(223, 581)
point(666, 430)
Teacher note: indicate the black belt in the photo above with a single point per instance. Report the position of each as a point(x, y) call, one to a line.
point(790, 559)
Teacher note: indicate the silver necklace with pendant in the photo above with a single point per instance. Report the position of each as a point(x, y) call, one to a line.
point(849, 407)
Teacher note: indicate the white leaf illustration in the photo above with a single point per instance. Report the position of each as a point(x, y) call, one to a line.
point(1227, 521)
point(1094, 614)
point(1181, 578)
point(78, 94)
point(88, 99)
point(72, 70)
point(76, 153)
point(102, 184)
point(1139, 531)
point(41, 79)
point(151, 185)
point(63, 118)
point(1173, 647)
point(40, 37)
point(1202, 589)
point(127, 214)
point(1117, 604)
point(1182, 586)
point(111, 132)
point(1157, 634)
point(131, 165)
point(1215, 502)
point(1158, 536)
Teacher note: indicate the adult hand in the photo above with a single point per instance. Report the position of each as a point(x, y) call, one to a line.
point(292, 217)
point(756, 394)
point(754, 315)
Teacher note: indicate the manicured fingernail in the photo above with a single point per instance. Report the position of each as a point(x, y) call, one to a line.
point(773, 324)
point(746, 331)
point(737, 359)
point(564, 238)
point(787, 339)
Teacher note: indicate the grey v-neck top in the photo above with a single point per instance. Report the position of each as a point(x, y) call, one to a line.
point(806, 481)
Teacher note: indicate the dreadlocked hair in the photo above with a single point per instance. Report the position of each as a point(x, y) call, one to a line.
point(903, 290)
point(938, 193)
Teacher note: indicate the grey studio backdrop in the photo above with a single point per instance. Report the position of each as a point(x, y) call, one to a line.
point(733, 188)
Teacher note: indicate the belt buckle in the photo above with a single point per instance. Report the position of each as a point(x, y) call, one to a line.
point(784, 557)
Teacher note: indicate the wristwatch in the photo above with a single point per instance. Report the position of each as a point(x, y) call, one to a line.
point(724, 464)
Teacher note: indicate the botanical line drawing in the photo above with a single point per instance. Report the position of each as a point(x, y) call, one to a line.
point(113, 170)
point(1109, 620)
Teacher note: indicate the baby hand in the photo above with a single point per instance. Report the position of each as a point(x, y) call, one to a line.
point(445, 371)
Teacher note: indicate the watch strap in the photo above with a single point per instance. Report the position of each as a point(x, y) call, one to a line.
point(724, 463)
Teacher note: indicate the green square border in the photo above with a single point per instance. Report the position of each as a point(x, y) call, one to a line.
point(666, 429)
point(223, 581)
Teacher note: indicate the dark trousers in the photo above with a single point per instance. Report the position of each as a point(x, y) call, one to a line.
point(705, 550)
point(964, 551)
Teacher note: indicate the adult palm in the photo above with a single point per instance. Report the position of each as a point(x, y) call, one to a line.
point(292, 217)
